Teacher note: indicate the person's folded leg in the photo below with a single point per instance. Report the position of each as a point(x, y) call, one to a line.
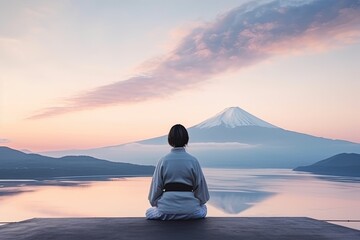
point(153, 213)
point(200, 213)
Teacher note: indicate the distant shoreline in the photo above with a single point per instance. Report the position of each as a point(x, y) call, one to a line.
point(5, 184)
point(87, 177)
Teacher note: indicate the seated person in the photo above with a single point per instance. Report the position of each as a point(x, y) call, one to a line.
point(178, 189)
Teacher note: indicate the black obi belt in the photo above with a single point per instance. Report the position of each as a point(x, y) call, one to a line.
point(178, 187)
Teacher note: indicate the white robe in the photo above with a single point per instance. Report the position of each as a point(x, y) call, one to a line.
point(178, 166)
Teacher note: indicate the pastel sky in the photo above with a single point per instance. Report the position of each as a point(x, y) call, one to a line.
point(92, 73)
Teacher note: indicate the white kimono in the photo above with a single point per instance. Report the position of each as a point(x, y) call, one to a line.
point(178, 167)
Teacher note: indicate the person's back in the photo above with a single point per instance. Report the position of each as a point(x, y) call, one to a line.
point(178, 189)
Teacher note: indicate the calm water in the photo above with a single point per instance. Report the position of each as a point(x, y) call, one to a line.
point(254, 192)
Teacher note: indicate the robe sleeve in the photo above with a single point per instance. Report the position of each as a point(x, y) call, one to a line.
point(201, 191)
point(157, 185)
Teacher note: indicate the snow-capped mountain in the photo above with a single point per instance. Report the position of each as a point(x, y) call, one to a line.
point(232, 138)
point(235, 125)
point(230, 125)
point(234, 117)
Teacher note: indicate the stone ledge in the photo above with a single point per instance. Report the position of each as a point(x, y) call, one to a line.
point(249, 228)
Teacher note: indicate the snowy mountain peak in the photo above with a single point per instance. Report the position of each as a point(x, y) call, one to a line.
point(234, 117)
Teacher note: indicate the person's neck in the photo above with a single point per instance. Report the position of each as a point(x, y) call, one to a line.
point(178, 149)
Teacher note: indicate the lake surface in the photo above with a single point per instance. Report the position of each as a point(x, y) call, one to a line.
point(235, 193)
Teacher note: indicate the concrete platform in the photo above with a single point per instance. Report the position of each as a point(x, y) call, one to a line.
point(210, 228)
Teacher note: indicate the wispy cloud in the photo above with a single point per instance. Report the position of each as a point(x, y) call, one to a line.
point(241, 37)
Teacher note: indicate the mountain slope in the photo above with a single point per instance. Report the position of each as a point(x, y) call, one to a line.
point(340, 160)
point(344, 164)
point(233, 117)
point(233, 138)
point(18, 165)
point(236, 125)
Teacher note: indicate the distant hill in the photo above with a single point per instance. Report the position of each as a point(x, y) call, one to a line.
point(344, 164)
point(15, 164)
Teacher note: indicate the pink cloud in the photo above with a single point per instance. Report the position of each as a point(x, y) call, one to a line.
point(241, 37)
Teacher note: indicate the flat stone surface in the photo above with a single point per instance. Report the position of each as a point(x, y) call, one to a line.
point(210, 228)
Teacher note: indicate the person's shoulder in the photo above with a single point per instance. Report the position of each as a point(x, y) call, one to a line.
point(163, 159)
point(167, 156)
point(193, 158)
point(179, 154)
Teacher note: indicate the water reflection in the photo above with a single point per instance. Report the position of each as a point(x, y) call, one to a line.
point(23, 183)
point(294, 175)
point(236, 202)
point(234, 192)
point(125, 197)
point(339, 178)
point(9, 192)
point(14, 187)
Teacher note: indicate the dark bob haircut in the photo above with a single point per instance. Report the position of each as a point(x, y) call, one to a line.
point(178, 136)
